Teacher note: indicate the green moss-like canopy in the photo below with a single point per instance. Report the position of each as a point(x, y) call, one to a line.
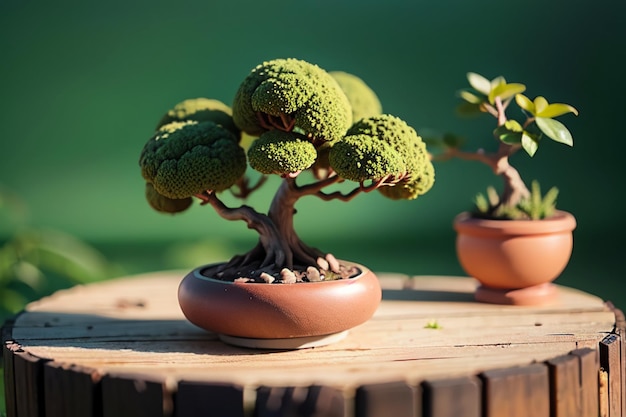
point(278, 152)
point(352, 157)
point(201, 110)
point(360, 158)
point(363, 99)
point(165, 204)
point(186, 158)
point(292, 89)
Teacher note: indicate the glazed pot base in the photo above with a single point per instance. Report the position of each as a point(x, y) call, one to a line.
point(284, 344)
point(535, 295)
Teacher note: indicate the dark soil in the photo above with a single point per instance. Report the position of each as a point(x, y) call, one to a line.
point(271, 274)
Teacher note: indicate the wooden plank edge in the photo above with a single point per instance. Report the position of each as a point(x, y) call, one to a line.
point(313, 400)
point(71, 390)
point(511, 391)
point(384, 399)
point(450, 397)
point(565, 384)
point(613, 363)
point(28, 383)
point(620, 328)
point(610, 362)
point(135, 395)
point(9, 346)
point(8, 349)
point(194, 398)
point(332, 401)
point(589, 366)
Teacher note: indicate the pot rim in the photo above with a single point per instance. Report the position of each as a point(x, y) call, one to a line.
point(197, 273)
point(561, 221)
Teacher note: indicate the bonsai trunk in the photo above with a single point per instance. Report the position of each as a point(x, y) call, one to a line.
point(279, 246)
point(514, 187)
point(281, 213)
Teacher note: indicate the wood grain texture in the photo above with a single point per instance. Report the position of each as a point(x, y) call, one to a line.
point(125, 345)
point(517, 392)
point(565, 399)
point(70, 391)
point(388, 399)
point(452, 397)
point(612, 363)
point(589, 379)
point(9, 349)
point(313, 401)
point(126, 395)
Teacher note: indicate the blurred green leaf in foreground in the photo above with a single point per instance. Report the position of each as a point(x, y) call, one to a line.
point(36, 261)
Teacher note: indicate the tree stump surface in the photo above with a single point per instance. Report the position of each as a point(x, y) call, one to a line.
point(123, 348)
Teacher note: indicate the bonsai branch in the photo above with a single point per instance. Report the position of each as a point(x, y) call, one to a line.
point(282, 122)
point(500, 111)
point(243, 187)
point(514, 187)
point(276, 253)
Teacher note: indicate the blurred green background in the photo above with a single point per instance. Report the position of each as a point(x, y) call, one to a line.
point(84, 83)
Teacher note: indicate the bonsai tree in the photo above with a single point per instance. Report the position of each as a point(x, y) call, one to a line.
point(494, 97)
point(311, 128)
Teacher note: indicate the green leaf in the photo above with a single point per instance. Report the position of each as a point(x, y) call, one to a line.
point(556, 109)
point(513, 126)
point(11, 300)
point(471, 97)
point(555, 130)
point(505, 91)
point(540, 104)
point(511, 138)
point(510, 133)
point(28, 274)
point(432, 324)
point(525, 103)
point(479, 82)
point(529, 143)
point(499, 80)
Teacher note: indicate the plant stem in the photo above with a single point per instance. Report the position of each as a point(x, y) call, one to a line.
point(514, 187)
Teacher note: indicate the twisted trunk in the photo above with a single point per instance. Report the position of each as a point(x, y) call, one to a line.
point(281, 213)
point(279, 245)
point(271, 251)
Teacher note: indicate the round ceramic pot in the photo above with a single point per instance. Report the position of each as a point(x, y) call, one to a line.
point(514, 254)
point(262, 315)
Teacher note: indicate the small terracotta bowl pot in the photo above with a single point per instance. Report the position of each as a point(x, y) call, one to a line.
point(515, 254)
point(280, 316)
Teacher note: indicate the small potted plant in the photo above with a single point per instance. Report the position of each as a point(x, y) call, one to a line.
point(324, 135)
point(515, 243)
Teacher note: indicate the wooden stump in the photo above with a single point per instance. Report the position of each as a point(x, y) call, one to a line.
point(123, 348)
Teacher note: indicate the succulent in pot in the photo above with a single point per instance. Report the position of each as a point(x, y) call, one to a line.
point(514, 242)
point(314, 129)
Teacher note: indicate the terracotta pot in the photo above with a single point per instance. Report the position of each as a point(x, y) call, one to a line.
point(283, 316)
point(515, 260)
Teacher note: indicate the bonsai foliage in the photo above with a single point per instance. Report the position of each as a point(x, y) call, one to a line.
point(494, 98)
point(311, 128)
